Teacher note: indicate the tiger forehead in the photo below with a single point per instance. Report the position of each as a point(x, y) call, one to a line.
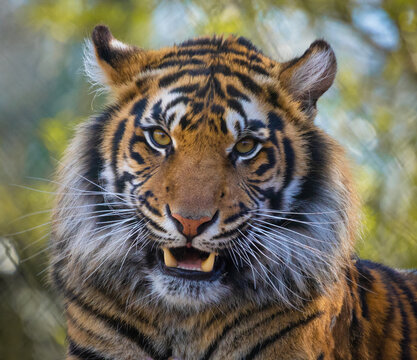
point(211, 53)
point(186, 107)
point(213, 84)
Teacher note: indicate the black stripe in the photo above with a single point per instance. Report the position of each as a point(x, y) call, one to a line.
point(135, 155)
point(243, 211)
point(356, 334)
point(389, 319)
point(272, 97)
point(232, 325)
point(180, 99)
point(254, 124)
point(180, 63)
point(117, 324)
point(233, 92)
point(184, 122)
point(318, 149)
point(144, 199)
point(203, 91)
point(275, 198)
point(405, 331)
point(289, 161)
point(196, 124)
point(79, 327)
point(199, 42)
point(251, 67)
point(152, 209)
point(248, 83)
point(275, 123)
point(210, 51)
point(398, 279)
point(245, 80)
point(230, 233)
point(365, 281)
point(157, 111)
point(94, 162)
point(171, 78)
point(320, 357)
point(185, 89)
point(213, 126)
point(247, 44)
point(223, 126)
point(217, 109)
point(218, 87)
point(253, 195)
point(138, 110)
point(82, 352)
point(237, 106)
point(197, 107)
point(171, 119)
point(154, 225)
point(117, 138)
point(273, 338)
point(270, 154)
point(220, 68)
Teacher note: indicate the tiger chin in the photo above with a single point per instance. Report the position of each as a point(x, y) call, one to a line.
point(204, 215)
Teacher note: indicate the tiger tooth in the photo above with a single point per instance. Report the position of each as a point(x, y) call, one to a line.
point(207, 265)
point(169, 259)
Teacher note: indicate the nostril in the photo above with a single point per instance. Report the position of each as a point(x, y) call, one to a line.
point(206, 224)
point(176, 222)
point(191, 227)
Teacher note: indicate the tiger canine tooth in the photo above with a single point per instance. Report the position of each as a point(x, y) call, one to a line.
point(169, 259)
point(207, 265)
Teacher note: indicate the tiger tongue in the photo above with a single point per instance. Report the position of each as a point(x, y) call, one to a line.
point(190, 262)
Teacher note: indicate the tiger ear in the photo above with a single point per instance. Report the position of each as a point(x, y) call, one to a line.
point(109, 62)
point(308, 77)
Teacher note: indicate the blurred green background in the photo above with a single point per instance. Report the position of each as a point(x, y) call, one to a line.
point(371, 110)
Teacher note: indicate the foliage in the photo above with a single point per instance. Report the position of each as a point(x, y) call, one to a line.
point(371, 110)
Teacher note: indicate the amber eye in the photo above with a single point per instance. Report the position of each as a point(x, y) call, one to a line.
point(160, 138)
point(245, 146)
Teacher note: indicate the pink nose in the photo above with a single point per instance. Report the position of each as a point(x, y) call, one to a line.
point(190, 226)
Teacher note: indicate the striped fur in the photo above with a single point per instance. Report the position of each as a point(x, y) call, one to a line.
point(286, 283)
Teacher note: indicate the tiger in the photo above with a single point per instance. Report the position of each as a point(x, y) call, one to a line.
point(203, 214)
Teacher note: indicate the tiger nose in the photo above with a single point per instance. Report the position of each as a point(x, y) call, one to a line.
point(192, 227)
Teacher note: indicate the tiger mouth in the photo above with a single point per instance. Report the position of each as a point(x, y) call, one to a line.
point(191, 263)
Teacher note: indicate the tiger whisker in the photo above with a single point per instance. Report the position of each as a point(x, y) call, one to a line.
point(271, 273)
point(296, 212)
point(285, 237)
point(267, 224)
point(312, 223)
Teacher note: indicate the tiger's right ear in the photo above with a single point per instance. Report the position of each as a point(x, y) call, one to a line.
point(109, 62)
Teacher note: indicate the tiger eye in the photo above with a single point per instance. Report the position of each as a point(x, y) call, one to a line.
point(245, 146)
point(160, 137)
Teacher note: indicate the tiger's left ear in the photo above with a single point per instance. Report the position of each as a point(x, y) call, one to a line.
point(308, 77)
point(109, 62)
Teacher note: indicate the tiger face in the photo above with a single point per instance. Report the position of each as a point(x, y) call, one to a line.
point(214, 182)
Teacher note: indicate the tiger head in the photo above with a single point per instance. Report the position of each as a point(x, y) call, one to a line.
point(206, 181)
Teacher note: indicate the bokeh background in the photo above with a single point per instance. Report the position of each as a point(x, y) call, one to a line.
point(371, 110)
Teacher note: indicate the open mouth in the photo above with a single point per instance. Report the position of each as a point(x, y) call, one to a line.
point(191, 263)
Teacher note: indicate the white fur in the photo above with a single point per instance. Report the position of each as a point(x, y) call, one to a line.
point(314, 70)
point(116, 44)
point(92, 69)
